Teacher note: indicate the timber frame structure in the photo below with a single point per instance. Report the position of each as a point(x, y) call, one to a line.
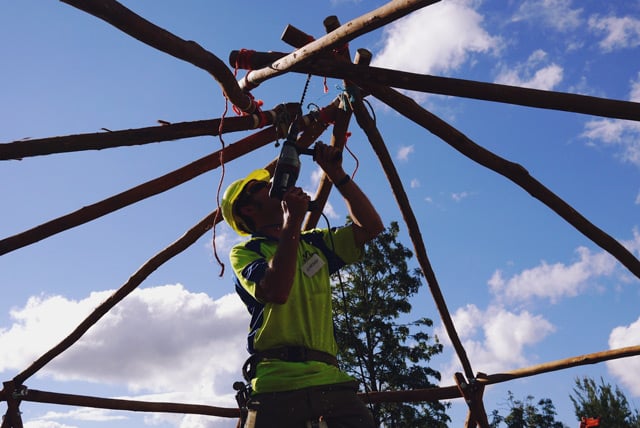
point(327, 56)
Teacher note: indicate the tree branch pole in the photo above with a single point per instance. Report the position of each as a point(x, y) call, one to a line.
point(482, 91)
point(366, 23)
point(368, 126)
point(339, 134)
point(130, 405)
point(582, 360)
point(134, 25)
point(155, 186)
point(138, 193)
point(450, 392)
point(136, 279)
point(132, 137)
point(514, 172)
point(326, 66)
point(377, 142)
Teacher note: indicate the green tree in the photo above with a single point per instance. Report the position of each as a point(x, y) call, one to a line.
point(603, 400)
point(374, 346)
point(524, 414)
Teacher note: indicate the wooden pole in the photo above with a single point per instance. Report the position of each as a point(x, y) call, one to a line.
point(134, 25)
point(130, 405)
point(514, 172)
point(155, 186)
point(136, 279)
point(373, 20)
point(339, 134)
point(138, 193)
point(474, 90)
point(327, 66)
point(131, 137)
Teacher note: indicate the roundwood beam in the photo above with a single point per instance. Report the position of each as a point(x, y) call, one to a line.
point(181, 244)
point(514, 172)
point(37, 396)
point(483, 91)
point(132, 137)
point(368, 22)
point(134, 25)
point(138, 193)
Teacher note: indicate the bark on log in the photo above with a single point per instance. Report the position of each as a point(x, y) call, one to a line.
point(325, 66)
point(136, 279)
point(514, 172)
point(37, 396)
point(134, 25)
point(131, 137)
point(368, 22)
point(138, 193)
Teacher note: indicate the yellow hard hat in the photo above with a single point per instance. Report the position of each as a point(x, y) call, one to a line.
point(231, 195)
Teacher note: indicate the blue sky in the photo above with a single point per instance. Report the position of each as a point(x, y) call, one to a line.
point(523, 286)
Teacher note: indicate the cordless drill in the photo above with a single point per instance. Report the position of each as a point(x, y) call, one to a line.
point(288, 166)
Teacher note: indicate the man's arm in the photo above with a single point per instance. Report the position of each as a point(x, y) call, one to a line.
point(367, 223)
point(277, 282)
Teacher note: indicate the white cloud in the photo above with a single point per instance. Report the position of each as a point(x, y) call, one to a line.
point(556, 14)
point(497, 338)
point(622, 337)
point(164, 340)
point(83, 414)
point(620, 33)
point(404, 152)
point(624, 135)
point(554, 281)
point(460, 196)
point(415, 183)
point(532, 73)
point(46, 424)
point(435, 39)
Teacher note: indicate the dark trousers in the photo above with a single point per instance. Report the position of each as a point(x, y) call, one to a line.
point(337, 405)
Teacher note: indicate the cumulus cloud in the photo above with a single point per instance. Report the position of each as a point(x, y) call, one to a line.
point(436, 39)
point(619, 33)
point(533, 73)
point(415, 183)
point(164, 341)
point(497, 338)
point(404, 152)
point(557, 14)
point(622, 337)
point(622, 135)
point(552, 281)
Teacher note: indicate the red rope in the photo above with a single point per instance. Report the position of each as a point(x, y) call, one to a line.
point(218, 191)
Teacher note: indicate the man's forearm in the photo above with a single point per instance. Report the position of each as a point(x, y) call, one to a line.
point(361, 210)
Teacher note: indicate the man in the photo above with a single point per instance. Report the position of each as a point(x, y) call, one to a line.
point(282, 275)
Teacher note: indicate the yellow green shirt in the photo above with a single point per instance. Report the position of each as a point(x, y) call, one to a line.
point(306, 319)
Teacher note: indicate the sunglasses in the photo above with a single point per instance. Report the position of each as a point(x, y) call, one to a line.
point(251, 189)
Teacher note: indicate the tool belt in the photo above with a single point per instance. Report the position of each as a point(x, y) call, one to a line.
point(292, 354)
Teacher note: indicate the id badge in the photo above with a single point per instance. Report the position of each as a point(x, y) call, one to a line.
point(312, 265)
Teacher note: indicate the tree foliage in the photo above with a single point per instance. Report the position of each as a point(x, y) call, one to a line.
point(375, 347)
point(603, 401)
point(524, 414)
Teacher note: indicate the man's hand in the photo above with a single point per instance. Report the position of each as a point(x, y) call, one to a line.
point(330, 160)
point(295, 203)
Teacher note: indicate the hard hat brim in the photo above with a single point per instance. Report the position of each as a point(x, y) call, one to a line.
point(233, 192)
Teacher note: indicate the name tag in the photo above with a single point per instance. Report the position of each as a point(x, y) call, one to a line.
point(313, 265)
